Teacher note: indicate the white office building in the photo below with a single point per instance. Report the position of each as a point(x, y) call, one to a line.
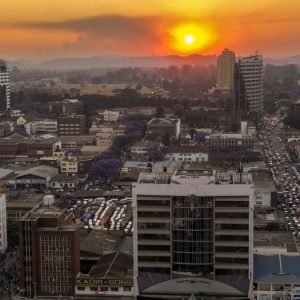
point(4, 87)
point(251, 83)
point(43, 126)
point(194, 226)
point(3, 227)
point(111, 115)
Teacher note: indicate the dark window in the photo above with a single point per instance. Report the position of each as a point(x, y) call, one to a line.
point(114, 289)
point(104, 289)
point(93, 288)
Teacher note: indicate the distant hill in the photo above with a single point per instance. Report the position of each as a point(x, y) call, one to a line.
point(115, 61)
point(105, 61)
point(283, 61)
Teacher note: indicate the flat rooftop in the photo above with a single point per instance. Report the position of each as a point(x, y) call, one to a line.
point(275, 240)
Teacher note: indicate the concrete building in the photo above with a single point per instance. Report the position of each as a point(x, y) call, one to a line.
point(162, 126)
point(49, 253)
point(42, 126)
point(3, 228)
point(234, 141)
point(36, 178)
point(143, 150)
point(104, 138)
point(67, 106)
point(250, 84)
point(64, 182)
point(111, 116)
point(198, 226)
point(76, 165)
point(4, 87)
point(225, 70)
point(71, 124)
point(187, 153)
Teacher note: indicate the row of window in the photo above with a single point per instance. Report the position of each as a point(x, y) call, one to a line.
point(104, 289)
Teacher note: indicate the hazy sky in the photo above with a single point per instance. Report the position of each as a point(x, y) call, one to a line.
point(62, 28)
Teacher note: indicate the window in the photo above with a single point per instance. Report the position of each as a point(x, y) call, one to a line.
point(81, 288)
point(127, 289)
point(114, 289)
point(104, 289)
point(93, 288)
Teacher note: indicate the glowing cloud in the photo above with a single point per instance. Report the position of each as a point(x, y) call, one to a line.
point(191, 37)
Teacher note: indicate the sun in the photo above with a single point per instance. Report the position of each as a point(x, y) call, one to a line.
point(191, 37)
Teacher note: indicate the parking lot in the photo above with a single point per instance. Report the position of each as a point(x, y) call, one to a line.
point(101, 213)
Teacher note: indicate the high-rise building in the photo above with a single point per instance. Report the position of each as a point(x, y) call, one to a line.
point(49, 253)
point(194, 226)
point(4, 87)
point(225, 71)
point(3, 228)
point(249, 82)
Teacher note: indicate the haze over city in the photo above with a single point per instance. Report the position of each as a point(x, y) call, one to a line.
point(53, 28)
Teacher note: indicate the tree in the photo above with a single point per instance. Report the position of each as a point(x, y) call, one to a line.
point(273, 226)
point(107, 169)
point(159, 111)
point(166, 139)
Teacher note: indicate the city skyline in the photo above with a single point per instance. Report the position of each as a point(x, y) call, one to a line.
point(53, 29)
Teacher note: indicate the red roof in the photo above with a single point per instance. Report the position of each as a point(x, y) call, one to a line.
point(187, 149)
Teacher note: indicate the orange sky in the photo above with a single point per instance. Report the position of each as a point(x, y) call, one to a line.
point(61, 28)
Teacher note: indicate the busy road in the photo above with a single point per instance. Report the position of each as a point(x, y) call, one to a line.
point(284, 173)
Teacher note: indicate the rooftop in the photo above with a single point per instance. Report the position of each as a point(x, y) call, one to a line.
point(114, 265)
point(163, 121)
point(102, 242)
point(43, 212)
point(187, 149)
point(4, 173)
point(276, 269)
point(40, 171)
point(219, 185)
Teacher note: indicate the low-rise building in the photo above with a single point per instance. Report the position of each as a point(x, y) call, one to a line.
point(67, 106)
point(187, 153)
point(64, 182)
point(163, 126)
point(142, 150)
point(276, 277)
point(76, 165)
point(36, 177)
point(265, 193)
point(71, 124)
point(42, 126)
point(111, 115)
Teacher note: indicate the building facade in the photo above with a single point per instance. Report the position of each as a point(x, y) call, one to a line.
point(163, 126)
point(225, 71)
point(3, 228)
point(71, 124)
point(4, 87)
point(43, 126)
point(67, 106)
point(187, 153)
point(250, 77)
point(111, 116)
point(200, 226)
point(49, 253)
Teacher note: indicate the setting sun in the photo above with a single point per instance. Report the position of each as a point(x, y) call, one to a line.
point(189, 38)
